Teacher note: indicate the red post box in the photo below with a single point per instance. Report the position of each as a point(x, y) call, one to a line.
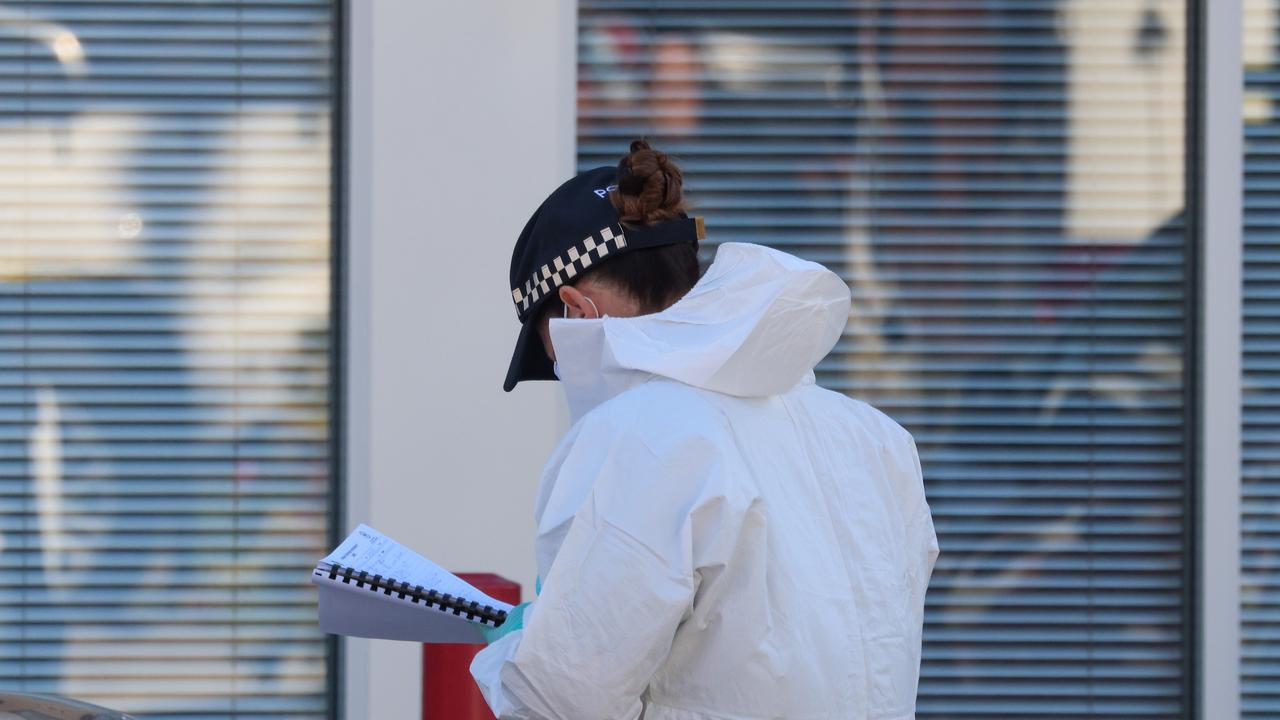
point(448, 692)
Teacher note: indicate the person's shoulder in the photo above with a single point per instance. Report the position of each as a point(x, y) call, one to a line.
point(662, 447)
point(851, 412)
point(663, 415)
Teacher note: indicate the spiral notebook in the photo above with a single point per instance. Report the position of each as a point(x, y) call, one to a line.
point(372, 586)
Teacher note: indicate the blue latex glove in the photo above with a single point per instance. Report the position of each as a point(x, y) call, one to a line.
point(515, 621)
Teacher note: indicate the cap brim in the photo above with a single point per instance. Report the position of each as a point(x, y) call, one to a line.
point(529, 361)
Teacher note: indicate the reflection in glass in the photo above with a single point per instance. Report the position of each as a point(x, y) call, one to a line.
point(1002, 185)
point(164, 337)
point(1260, 471)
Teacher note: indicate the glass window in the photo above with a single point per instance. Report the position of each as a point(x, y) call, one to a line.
point(165, 329)
point(1002, 184)
point(1260, 471)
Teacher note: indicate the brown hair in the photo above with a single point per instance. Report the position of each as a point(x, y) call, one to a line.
point(650, 190)
point(650, 187)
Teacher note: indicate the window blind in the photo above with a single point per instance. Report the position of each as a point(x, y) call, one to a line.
point(165, 330)
point(1001, 183)
point(1260, 471)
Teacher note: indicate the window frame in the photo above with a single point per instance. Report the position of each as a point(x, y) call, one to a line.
point(335, 664)
point(1214, 202)
point(1216, 194)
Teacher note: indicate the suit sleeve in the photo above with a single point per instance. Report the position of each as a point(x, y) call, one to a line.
point(621, 584)
point(921, 538)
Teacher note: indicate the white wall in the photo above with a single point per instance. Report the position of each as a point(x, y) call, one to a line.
point(460, 123)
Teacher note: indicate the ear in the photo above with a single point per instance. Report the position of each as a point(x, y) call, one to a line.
point(576, 303)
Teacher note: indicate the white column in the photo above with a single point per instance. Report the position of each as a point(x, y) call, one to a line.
point(461, 121)
point(1220, 362)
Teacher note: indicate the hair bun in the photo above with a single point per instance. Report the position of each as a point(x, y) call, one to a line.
point(650, 186)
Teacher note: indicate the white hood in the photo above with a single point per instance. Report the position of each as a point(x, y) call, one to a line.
point(755, 325)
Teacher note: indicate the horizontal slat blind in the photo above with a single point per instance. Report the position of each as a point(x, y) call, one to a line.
point(1001, 183)
point(1260, 476)
point(164, 353)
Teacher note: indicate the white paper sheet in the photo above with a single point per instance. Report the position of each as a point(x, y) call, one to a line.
point(348, 609)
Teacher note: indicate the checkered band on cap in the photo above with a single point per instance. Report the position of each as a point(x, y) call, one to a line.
point(567, 266)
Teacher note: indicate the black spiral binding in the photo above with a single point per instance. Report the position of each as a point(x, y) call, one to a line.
point(473, 610)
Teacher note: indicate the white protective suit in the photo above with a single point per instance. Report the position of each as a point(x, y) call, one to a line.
point(720, 537)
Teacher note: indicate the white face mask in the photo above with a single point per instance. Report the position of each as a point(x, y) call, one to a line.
point(580, 345)
point(555, 366)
